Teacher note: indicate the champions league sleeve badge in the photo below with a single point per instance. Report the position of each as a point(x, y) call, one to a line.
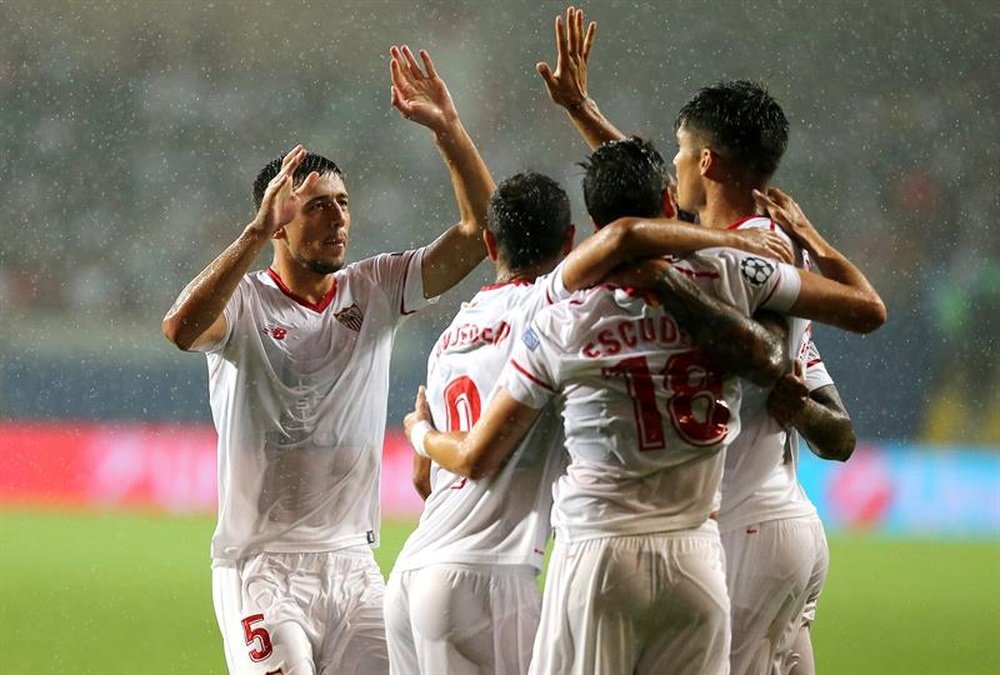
point(756, 270)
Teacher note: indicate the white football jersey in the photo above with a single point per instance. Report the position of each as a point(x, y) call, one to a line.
point(760, 482)
point(299, 394)
point(646, 413)
point(503, 519)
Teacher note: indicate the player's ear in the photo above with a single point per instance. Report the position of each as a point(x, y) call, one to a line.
point(667, 204)
point(491, 245)
point(568, 238)
point(707, 162)
point(279, 234)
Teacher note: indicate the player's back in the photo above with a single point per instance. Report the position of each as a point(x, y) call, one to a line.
point(503, 519)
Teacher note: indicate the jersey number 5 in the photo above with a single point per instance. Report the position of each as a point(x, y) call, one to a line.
point(695, 405)
point(252, 635)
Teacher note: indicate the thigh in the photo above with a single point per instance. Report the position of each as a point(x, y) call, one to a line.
point(259, 637)
point(769, 566)
point(691, 612)
point(350, 618)
point(451, 620)
point(398, 631)
point(593, 592)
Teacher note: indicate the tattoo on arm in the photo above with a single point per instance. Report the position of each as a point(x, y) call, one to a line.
point(826, 425)
point(737, 343)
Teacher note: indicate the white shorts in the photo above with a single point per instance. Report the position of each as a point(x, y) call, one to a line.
point(456, 619)
point(775, 572)
point(302, 613)
point(653, 603)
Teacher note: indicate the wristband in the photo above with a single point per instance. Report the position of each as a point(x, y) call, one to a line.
point(417, 435)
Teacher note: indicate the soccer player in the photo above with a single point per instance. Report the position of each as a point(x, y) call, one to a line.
point(462, 594)
point(731, 138)
point(637, 581)
point(298, 358)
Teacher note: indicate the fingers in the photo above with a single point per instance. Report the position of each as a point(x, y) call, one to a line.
point(561, 42)
point(780, 248)
point(428, 64)
point(308, 183)
point(411, 62)
point(588, 39)
point(294, 156)
point(573, 38)
point(545, 71)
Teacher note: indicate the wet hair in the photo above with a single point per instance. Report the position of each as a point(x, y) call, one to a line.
point(626, 177)
point(528, 215)
point(317, 163)
point(740, 120)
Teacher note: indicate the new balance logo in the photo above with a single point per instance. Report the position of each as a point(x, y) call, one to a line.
point(277, 332)
point(352, 317)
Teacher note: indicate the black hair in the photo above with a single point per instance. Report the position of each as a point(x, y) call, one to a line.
point(528, 215)
point(742, 120)
point(317, 163)
point(626, 177)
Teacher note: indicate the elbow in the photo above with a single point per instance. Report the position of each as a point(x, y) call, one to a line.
point(620, 239)
point(842, 450)
point(871, 316)
point(173, 329)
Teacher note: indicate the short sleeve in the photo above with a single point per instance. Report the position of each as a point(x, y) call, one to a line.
point(530, 374)
point(400, 277)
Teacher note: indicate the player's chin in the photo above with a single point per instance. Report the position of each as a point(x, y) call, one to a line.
point(327, 264)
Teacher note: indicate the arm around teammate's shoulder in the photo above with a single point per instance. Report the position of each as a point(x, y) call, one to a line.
point(843, 297)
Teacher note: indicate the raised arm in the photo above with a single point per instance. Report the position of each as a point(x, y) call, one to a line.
point(421, 96)
point(567, 85)
point(196, 318)
point(820, 416)
point(629, 239)
point(479, 452)
point(843, 297)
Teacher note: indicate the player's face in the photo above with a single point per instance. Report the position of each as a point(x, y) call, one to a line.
point(317, 236)
point(690, 195)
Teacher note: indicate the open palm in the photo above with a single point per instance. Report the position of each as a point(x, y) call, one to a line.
point(419, 94)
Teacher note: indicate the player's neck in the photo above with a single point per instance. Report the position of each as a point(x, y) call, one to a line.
point(506, 275)
point(302, 281)
point(725, 205)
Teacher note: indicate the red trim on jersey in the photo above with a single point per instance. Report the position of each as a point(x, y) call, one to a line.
point(813, 362)
point(693, 273)
point(402, 296)
point(308, 304)
point(739, 223)
point(501, 284)
point(531, 377)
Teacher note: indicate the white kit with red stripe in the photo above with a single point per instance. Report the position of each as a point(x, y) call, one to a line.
point(299, 393)
point(760, 480)
point(503, 519)
point(646, 414)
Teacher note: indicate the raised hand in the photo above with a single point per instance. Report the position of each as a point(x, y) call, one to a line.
point(567, 85)
point(281, 202)
point(419, 94)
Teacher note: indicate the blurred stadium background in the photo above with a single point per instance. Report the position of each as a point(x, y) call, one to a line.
point(131, 132)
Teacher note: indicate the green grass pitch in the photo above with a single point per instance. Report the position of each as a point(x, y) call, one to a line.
point(122, 593)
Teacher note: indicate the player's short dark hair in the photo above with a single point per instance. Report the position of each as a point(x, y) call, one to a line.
point(528, 215)
point(626, 177)
point(741, 119)
point(317, 163)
